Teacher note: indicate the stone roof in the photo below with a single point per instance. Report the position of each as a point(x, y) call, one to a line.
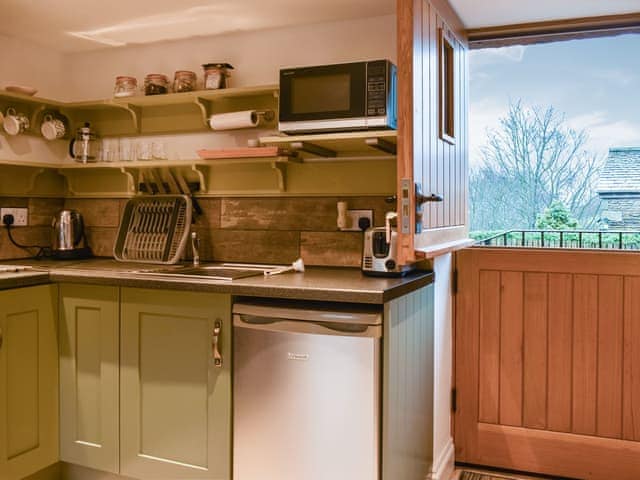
point(621, 172)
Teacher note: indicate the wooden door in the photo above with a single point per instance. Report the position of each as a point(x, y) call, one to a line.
point(432, 124)
point(548, 361)
point(89, 376)
point(28, 381)
point(175, 401)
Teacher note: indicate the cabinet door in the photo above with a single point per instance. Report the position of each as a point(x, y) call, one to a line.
point(28, 381)
point(175, 402)
point(89, 376)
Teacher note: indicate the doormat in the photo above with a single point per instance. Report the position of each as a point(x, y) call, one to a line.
point(481, 476)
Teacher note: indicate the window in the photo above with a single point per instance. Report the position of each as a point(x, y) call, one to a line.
point(447, 90)
point(555, 136)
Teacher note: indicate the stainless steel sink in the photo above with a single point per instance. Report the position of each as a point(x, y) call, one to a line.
point(212, 272)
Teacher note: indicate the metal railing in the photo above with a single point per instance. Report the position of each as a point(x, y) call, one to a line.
point(590, 239)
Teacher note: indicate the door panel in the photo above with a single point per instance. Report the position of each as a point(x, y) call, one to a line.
point(424, 157)
point(175, 403)
point(89, 366)
point(28, 381)
point(558, 392)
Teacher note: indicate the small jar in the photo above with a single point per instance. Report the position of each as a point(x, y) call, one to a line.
point(125, 87)
point(156, 84)
point(215, 75)
point(184, 81)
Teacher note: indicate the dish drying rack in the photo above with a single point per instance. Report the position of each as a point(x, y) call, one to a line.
point(154, 229)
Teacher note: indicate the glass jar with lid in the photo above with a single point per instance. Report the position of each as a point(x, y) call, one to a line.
point(125, 86)
point(156, 84)
point(184, 81)
point(216, 75)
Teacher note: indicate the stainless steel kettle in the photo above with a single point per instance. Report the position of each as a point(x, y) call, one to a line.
point(85, 147)
point(67, 231)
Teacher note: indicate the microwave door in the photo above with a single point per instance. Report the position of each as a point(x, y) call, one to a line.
point(329, 93)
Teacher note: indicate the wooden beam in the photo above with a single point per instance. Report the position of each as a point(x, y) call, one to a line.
point(554, 30)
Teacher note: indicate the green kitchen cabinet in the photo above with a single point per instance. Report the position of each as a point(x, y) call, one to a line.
point(28, 380)
point(89, 375)
point(175, 385)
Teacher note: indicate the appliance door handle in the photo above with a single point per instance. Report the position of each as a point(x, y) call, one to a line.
point(215, 341)
point(273, 324)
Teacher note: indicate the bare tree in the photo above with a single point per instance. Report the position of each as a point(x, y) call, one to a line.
point(538, 160)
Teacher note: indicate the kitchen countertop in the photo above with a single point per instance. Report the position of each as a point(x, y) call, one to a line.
point(23, 279)
point(316, 283)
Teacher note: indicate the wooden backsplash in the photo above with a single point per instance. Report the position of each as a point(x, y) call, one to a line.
point(266, 230)
point(41, 212)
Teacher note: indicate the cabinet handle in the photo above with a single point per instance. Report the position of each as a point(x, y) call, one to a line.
point(1, 337)
point(217, 358)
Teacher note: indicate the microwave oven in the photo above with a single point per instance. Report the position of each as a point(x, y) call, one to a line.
point(338, 98)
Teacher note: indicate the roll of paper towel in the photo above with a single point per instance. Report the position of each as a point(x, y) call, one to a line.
point(233, 120)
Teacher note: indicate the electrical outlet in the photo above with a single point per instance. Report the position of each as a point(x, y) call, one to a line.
point(354, 216)
point(20, 216)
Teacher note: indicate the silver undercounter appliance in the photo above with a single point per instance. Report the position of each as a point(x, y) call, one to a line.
point(306, 391)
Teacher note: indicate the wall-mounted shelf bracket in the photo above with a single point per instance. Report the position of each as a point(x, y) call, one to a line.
point(135, 113)
point(202, 105)
point(382, 145)
point(281, 171)
point(313, 149)
point(131, 179)
point(199, 170)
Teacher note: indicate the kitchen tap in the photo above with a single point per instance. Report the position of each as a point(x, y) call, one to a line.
point(195, 246)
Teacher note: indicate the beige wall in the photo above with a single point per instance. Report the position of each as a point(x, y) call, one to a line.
point(25, 63)
point(256, 56)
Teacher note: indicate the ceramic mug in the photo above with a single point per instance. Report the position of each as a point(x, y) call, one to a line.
point(52, 128)
point(15, 123)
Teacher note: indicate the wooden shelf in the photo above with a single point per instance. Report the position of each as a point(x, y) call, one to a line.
point(189, 112)
point(173, 112)
point(339, 146)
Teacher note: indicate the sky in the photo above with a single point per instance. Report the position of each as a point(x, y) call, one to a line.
point(594, 82)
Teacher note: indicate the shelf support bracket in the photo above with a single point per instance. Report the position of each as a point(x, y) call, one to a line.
point(281, 171)
point(202, 105)
point(131, 180)
point(201, 177)
point(382, 145)
point(134, 112)
point(313, 149)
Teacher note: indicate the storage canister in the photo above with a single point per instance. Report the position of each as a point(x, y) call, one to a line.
point(125, 86)
point(184, 81)
point(156, 84)
point(215, 75)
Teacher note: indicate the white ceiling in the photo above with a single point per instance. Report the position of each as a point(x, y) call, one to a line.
point(491, 13)
point(82, 25)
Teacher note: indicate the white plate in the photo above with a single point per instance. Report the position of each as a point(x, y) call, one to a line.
point(21, 89)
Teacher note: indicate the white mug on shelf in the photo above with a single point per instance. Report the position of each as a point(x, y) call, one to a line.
point(52, 128)
point(15, 123)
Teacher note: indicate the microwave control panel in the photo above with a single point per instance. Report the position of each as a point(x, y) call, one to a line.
point(377, 86)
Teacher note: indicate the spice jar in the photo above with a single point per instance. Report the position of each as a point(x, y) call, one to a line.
point(156, 84)
point(215, 75)
point(184, 81)
point(125, 86)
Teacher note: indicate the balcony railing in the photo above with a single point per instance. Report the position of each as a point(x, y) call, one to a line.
point(589, 239)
